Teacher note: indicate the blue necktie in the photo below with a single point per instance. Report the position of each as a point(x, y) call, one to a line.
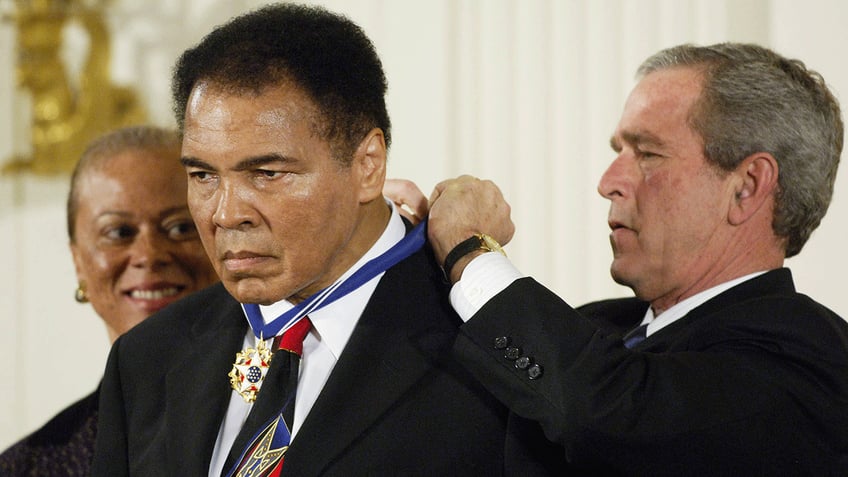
point(636, 336)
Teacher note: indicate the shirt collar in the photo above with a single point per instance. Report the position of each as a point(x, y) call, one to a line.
point(334, 323)
point(681, 309)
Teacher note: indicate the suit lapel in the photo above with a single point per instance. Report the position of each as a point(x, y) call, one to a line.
point(774, 282)
point(385, 356)
point(200, 375)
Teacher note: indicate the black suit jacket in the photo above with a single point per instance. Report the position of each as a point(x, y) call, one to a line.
point(396, 402)
point(752, 382)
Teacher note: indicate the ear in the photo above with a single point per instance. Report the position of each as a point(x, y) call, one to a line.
point(370, 161)
point(756, 186)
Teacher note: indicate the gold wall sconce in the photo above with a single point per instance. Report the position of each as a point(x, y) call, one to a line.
point(67, 112)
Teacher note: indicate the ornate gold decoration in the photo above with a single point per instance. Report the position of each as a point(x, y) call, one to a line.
point(249, 370)
point(66, 114)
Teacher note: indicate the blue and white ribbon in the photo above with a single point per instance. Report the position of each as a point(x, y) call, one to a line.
point(409, 244)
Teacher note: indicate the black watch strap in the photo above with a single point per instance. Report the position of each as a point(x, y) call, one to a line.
point(475, 242)
point(464, 248)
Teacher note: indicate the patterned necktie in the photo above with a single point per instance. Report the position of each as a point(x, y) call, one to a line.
point(264, 438)
point(636, 336)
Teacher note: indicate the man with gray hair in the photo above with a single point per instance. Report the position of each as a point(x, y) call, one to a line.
point(725, 162)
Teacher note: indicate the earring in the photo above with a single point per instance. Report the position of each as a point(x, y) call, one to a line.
point(79, 294)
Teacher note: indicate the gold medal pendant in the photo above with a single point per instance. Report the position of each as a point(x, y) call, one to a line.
point(249, 370)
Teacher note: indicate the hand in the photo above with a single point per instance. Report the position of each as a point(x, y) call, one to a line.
point(408, 198)
point(462, 207)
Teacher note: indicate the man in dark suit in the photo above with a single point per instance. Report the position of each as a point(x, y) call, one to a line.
point(285, 137)
point(726, 160)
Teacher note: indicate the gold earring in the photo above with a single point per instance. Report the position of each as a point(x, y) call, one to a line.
point(79, 294)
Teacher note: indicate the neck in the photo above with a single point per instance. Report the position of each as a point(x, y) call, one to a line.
point(374, 217)
point(743, 255)
point(663, 303)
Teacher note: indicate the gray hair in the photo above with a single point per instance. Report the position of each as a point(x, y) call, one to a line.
point(102, 148)
point(755, 100)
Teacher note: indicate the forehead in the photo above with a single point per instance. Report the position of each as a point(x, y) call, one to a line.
point(661, 103)
point(218, 119)
point(137, 178)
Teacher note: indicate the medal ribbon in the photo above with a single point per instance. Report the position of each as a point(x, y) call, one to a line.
point(408, 245)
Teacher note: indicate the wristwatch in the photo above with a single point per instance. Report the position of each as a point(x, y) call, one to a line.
point(475, 242)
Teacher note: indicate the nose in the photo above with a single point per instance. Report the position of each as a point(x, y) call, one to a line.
point(614, 181)
point(151, 249)
point(232, 210)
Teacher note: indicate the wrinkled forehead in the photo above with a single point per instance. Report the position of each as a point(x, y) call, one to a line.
point(214, 107)
point(664, 99)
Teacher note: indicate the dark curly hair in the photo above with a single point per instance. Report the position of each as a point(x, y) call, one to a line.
point(326, 55)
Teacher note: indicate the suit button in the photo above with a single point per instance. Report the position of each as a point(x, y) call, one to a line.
point(523, 362)
point(534, 372)
point(512, 353)
point(501, 342)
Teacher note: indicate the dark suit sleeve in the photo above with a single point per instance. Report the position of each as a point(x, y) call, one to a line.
point(110, 450)
point(737, 399)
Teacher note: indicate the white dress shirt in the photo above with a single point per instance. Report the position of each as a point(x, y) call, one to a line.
point(332, 326)
point(680, 309)
point(490, 273)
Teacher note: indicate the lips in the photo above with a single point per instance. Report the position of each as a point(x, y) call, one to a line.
point(620, 234)
point(242, 261)
point(230, 255)
point(615, 224)
point(154, 297)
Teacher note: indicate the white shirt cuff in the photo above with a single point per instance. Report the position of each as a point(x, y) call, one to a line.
point(483, 278)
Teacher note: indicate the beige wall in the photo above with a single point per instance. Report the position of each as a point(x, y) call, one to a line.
point(522, 92)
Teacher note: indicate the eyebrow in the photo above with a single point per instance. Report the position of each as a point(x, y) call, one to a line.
point(123, 214)
point(637, 139)
point(243, 165)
